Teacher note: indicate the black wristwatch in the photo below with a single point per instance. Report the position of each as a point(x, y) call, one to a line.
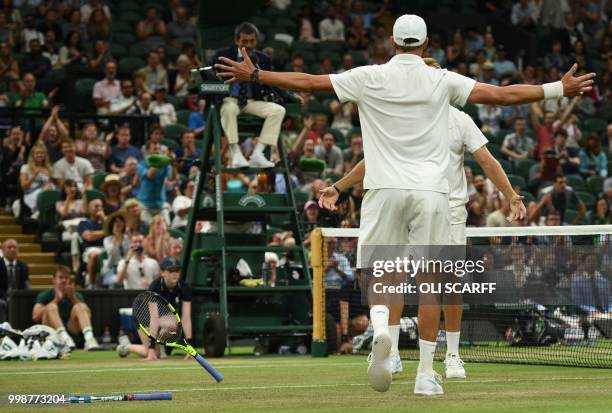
point(255, 76)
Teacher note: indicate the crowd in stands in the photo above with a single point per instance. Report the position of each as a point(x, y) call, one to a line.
point(116, 210)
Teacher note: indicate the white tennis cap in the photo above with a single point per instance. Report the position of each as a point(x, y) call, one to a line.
point(409, 30)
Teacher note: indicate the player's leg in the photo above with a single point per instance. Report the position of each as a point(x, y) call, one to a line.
point(51, 317)
point(80, 321)
point(428, 216)
point(273, 115)
point(453, 312)
point(125, 347)
point(381, 224)
point(229, 121)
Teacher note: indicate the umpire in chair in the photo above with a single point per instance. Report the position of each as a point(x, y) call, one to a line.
point(248, 97)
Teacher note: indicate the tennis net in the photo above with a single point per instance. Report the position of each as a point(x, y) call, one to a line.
point(552, 304)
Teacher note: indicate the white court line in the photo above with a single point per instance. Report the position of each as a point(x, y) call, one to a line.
point(194, 367)
point(335, 385)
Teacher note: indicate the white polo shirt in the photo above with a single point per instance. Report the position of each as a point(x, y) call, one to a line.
point(403, 110)
point(463, 134)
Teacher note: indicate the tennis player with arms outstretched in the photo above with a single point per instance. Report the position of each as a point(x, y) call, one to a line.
point(404, 111)
point(463, 135)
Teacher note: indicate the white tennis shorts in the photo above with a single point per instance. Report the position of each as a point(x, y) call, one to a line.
point(457, 225)
point(403, 217)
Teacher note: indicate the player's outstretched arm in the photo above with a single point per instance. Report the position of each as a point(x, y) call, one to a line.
point(329, 196)
point(244, 71)
point(496, 173)
point(569, 85)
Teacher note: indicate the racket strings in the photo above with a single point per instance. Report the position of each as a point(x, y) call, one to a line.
point(152, 312)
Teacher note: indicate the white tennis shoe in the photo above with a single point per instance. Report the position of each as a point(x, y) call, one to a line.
point(91, 344)
point(428, 384)
point(239, 161)
point(454, 367)
point(379, 369)
point(260, 161)
point(396, 363)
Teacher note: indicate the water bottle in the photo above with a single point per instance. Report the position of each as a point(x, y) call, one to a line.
point(106, 338)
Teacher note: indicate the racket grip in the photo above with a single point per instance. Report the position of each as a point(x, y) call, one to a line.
point(209, 368)
point(151, 396)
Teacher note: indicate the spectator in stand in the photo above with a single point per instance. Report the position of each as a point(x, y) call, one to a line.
point(555, 58)
point(563, 198)
point(331, 28)
point(132, 211)
point(357, 36)
point(156, 135)
point(14, 275)
point(190, 51)
point(107, 89)
point(92, 236)
point(64, 308)
point(304, 19)
point(331, 154)
point(456, 52)
point(590, 289)
point(157, 242)
point(137, 270)
point(122, 150)
point(143, 105)
point(347, 63)
point(524, 14)
point(6, 34)
point(98, 27)
point(71, 211)
point(188, 154)
point(29, 98)
point(9, 68)
point(71, 53)
point(171, 14)
point(609, 138)
point(30, 33)
point(155, 74)
point(164, 61)
point(338, 271)
point(151, 28)
point(568, 122)
point(474, 41)
point(50, 23)
point(543, 131)
point(90, 6)
point(602, 214)
point(518, 145)
point(72, 167)
point(129, 178)
point(125, 103)
point(343, 115)
point(182, 30)
point(163, 109)
point(50, 50)
point(34, 177)
point(353, 154)
point(100, 56)
point(580, 56)
point(196, 121)
point(35, 63)
point(489, 47)
point(503, 66)
point(297, 63)
point(488, 74)
point(152, 193)
point(91, 147)
point(498, 218)
point(52, 134)
point(479, 204)
point(180, 82)
point(435, 49)
point(73, 24)
point(113, 197)
point(490, 116)
point(13, 156)
point(116, 245)
point(568, 158)
point(326, 66)
point(176, 246)
point(593, 160)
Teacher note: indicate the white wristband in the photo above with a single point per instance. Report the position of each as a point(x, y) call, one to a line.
point(553, 90)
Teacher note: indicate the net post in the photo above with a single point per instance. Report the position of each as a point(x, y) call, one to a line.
point(319, 342)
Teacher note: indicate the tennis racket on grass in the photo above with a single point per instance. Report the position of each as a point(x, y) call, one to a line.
point(158, 319)
point(125, 397)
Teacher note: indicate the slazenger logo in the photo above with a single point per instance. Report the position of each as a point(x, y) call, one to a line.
point(252, 198)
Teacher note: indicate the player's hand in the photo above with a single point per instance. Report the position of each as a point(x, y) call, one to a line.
point(234, 71)
point(69, 292)
point(187, 357)
point(573, 86)
point(328, 198)
point(518, 212)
